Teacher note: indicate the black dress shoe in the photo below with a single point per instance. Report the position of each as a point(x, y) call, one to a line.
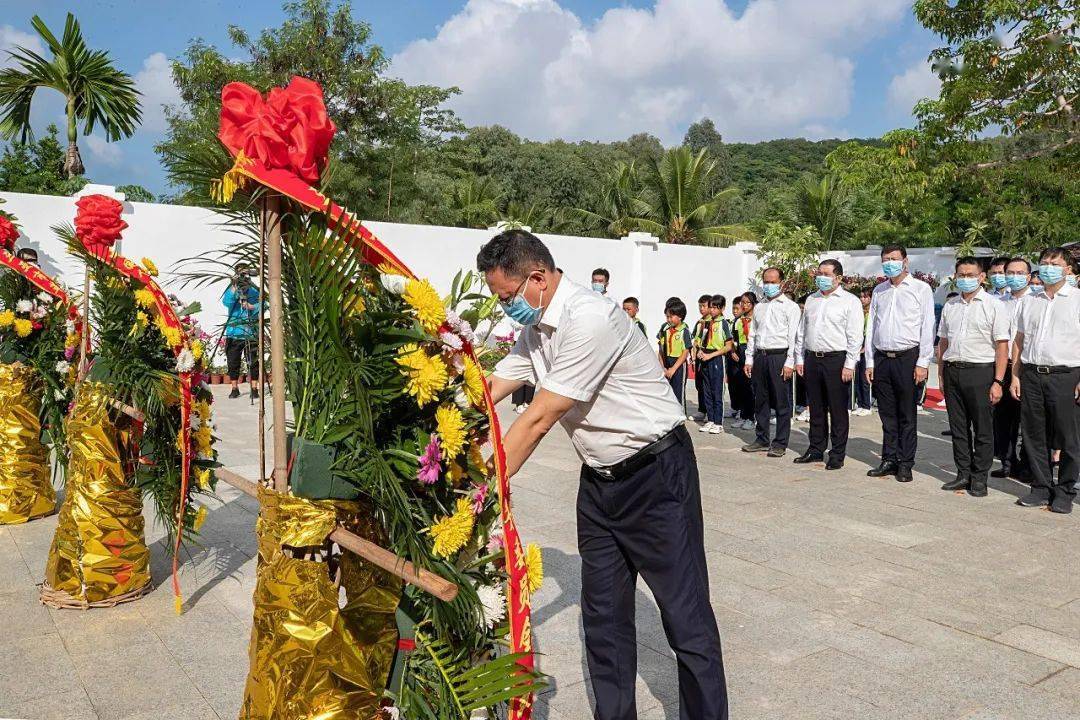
point(887, 467)
point(1031, 500)
point(834, 464)
point(904, 474)
point(977, 487)
point(808, 457)
point(1062, 507)
point(946, 433)
point(1001, 472)
point(777, 451)
point(960, 483)
point(755, 447)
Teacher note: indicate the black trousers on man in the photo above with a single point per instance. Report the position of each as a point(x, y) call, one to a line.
point(1007, 430)
point(862, 385)
point(648, 523)
point(739, 386)
point(894, 388)
point(971, 418)
point(1049, 421)
point(771, 392)
point(523, 395)
point(827, 395)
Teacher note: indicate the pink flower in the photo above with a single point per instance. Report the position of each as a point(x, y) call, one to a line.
point(429, 462)
point(69, 353)
point(479, 497)
point(495, 542)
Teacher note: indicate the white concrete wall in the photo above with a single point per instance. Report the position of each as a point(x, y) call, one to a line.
point(639, 265)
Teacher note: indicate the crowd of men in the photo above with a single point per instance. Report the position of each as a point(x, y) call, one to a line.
point(1007, 346)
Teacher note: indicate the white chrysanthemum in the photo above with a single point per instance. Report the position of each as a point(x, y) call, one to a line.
point(394, 283)
point(195, 423)
point(63, 366)
point(450, 340)
point(185, 361)
point(24, 306)
point(45, 297)
point(493, 604)
point(461, 399)
point(69, 326)
point(391, 713)
point(462, 327)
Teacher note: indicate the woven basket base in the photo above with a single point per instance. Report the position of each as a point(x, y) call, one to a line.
point(62, 600)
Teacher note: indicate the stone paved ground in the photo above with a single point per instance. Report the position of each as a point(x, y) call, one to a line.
point(837, 596)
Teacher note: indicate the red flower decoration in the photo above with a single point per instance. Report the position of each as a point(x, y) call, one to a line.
point(288, 130)
point(8, 233)
point(97, 223)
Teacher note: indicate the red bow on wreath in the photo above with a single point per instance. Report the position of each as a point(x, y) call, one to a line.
point(98, 224)
point(8, 233)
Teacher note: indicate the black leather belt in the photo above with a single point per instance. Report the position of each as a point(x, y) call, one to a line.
point(962, 365)
point(772, 351)
point(826, 353)
point(642, 457)
point(897, 353)
point(1050, 369)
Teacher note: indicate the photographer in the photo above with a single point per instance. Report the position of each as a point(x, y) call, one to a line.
point(242, 300)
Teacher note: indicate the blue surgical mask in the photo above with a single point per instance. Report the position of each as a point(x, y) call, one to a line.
point(1071, 279)
point(892, 268)
point(824, 284)
point(999, 281)
point(599, 287)
point(519, 309)
point(1017, 282)
point(1051, 274)
point(967, 284)
point(771, 289)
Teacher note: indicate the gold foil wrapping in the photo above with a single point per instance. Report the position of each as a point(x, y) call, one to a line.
point(318, 650)
point(26, 491)
point(99, 551)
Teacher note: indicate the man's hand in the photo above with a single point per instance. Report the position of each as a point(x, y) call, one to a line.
point(1014, 387)
point(870, 375)
point(748, 370)
point(995, 393)
point(799, 369)
point(787, 372)
point(668, 372)
point(1076, 393)
point(847, 374)
point(920, 375)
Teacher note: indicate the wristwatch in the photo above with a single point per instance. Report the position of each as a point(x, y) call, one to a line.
point(999, 382)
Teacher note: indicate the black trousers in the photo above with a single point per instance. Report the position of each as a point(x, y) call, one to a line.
point(771, 392)
point(971, 418)
point(827, 395)
point(523, 395)
point(739, 386)
point(712, 374)
point(677, 380)
point(649, 524)
point(894, 388)
point(862, 385)
point(699, 385)
point(237, 349)
point(1007, 428)
point(1048, 421)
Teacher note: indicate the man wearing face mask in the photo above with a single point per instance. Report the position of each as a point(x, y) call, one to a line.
point(600, 280)
point(899, 343)
point(972, 353)
point(1046, 381)
point(826, 351)
point(639, 503)
point(770, 363)
point(999, 282)
point(1007, 411)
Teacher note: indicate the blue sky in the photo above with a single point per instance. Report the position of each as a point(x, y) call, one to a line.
point(577, 69)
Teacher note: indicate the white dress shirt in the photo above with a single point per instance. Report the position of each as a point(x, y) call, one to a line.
point(901, 317)
point(775, 325)
point(1050, 327)
point(587, 349)
point(1012, 306)
point(830, 323)
point(973, 326)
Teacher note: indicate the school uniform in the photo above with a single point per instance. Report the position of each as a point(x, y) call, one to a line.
point(828, 341)
point(972, 328)
point(715, 336)
point(699, 379)
point(1007, 447)
point(863, 398)
point(1049, 330)
point(641, 326)
point(675, 340)
point(740, 390)
point(899, 338)
point(771, 348)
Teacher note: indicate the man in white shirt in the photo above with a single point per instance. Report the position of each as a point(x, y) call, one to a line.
point(639, 503)
point(1014, 462)
point(770, 363)
point(826, 350)
point(899, 343)
point(1046, 381)
point(972, 354)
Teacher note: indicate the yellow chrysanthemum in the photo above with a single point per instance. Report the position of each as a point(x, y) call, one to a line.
point(6, 319)
point(172, 335)
point(474, 382)
point(451, 428)
point(141, 321)
point(197, 349)
point(150, 267)
point(422, 297)
point(200, 517)
point(534, 567)
point(23, 327)
point(204, 479)
point(145, 298)
point(449, 534)
point(455, 474)
point(476, 455)
point(426, 375)
point(358, 307)
point(202, 409)
point(72, 339)
point(203, 440)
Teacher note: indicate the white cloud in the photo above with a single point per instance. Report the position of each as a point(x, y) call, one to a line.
point(911, 86)
point(10, 38)
point(155, 82)
point(782, 67)
point(107, 152)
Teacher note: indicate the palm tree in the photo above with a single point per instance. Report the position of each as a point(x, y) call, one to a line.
point(474, 202)
point(618, 206)
point(826, 205)
point(96, 92)
point(678, 206)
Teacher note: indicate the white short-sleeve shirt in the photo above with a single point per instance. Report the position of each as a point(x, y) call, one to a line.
point(587, 349)
point(973, 326)
point(1051, 328)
